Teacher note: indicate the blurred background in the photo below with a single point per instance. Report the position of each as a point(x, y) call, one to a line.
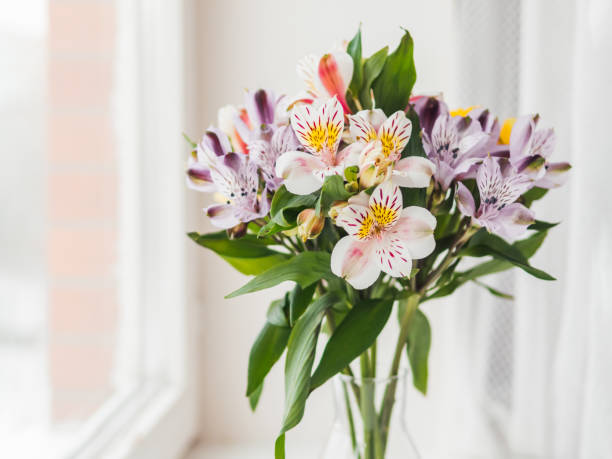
point(115, 339)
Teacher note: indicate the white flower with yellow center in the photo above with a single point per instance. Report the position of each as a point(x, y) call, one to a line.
point(382, 236)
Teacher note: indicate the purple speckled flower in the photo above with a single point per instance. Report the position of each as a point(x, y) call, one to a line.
point(234, 175)
point(499, 186)
point(530, 149)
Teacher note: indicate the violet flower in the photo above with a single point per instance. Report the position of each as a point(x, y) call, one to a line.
point(530, 150)
point(454, 145)
point(234, 175)
point(499, 188)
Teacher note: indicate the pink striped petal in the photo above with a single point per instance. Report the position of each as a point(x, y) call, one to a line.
point(394, 134)
point(394, 258)
point(356, 220)
point(386, 204)
point(415, 229)
point(354, 260)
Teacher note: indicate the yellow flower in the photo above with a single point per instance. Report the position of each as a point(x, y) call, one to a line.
point(506, 130)
point(463, 111)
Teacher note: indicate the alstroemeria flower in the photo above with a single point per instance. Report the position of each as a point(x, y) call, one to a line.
point(226, 119)
point(233, 175)
point(499, 188)
point(454, 145)
point(382, 141)
point(265, 154)
point(319, 131)
point(327, 76)
point(530, 148)
point(381, 236)
point(261, 108)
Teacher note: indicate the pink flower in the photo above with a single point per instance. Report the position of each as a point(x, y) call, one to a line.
point(499, 189)
point(327, 76)
point(319, 131)
point(381, 236)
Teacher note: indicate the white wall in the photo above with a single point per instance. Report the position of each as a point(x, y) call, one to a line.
point(239, 45)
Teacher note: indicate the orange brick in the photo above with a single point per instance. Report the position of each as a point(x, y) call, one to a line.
point(80, 83)
point(81, 27)
point(81, 252)
point(82, 195)
point(83, 138)
point(82, 311)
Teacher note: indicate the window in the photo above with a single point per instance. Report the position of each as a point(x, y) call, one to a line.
point(93, 336)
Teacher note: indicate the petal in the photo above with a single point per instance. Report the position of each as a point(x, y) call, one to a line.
point(375, 117)
point(307, 71)
point(361, 129)
point(299, 169)
point(556, 175)
point(413, 172)
point(393, 257)
point(260, 105)
point(349, 155)
point(395, 133)
point(489, 178)
point(319, 131)
point(386, 204)
point(415, 229)
point(531, 166)
point(465, 200)
point(356, 220)
point(222, 215)
point(512, 221)
point(199, 178)
point(429, 110)
point(521, 134)
point(335, 72)
point(360, 199)
point(214, 143)
point(354, 261)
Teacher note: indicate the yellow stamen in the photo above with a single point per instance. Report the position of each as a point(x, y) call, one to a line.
point(463, 111)
point(506, 130)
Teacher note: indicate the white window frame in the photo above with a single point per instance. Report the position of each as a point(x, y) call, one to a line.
point(157, 416)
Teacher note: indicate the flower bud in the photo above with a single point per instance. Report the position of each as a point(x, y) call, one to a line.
point(336, 208)
point(369, 177)
point(310, 224)
point(237, 231)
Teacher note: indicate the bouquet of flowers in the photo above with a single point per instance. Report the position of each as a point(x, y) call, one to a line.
point(365, 196)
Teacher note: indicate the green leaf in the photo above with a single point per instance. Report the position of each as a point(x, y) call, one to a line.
point(254, 397)
point(528, 247)
point(189, 141)
point(285, 206)
point(248, 254)
point(300, 358)
point(371, 69)
point(414, 147)
point(277, 312)
point(533, 195)
point(393, 86)
point(266, 350)
point(484, 243)
point(299, 299)
point(494, 291)
point(279, 447)
point(354, 335)
point(354, 50)
point(271, 228)
point(417, 346)
point(540, 225)
point(304, 269)
point(331, 191)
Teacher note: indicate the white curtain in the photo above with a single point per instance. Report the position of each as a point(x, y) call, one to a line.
point(532, 378)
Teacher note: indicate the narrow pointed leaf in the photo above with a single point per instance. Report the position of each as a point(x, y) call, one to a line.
point(267, 349)
point(254, 397)
point(354, 335)
point(354, 50)
point(371, 69)
point(418, 344)
point(305, 269)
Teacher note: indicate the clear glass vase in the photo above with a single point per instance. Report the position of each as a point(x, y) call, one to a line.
point(370, 419)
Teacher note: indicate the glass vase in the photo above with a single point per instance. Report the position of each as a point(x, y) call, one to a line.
point(370, 419)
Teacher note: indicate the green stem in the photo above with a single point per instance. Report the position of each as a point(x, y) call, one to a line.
point(412, 303)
